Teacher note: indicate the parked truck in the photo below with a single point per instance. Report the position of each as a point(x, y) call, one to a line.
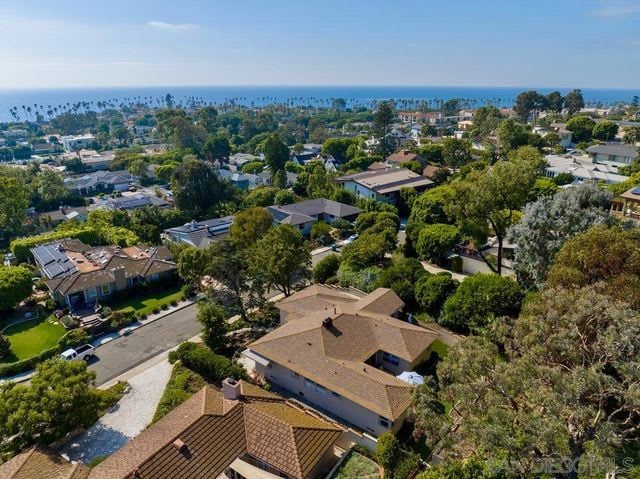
point(85, 352)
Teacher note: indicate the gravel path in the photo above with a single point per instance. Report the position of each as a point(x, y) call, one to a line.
point(126, 420)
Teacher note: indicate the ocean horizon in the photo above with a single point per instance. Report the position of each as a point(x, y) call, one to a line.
point(298, 94)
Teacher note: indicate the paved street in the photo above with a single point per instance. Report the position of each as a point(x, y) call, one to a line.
point(125, 352)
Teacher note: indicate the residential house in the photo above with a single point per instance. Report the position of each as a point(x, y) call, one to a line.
point(582, 169)
point(133, 201)
point(78, 275)
point(77, 142)
point(64, 213)
point(617, 154)
point(304, 214)
point(199, 233)
point(383, 185)
point(238, 160)
point(94, 161)
point(411, 117)
point(342, 352)
point(239, 431)
point(45, 148)
point(241, 181)
point(396, 159)
point(99, 182)
point(627, 205)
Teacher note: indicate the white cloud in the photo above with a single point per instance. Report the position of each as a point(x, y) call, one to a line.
point(172, 26)
point(616, 8)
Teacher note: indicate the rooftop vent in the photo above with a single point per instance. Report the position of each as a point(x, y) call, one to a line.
point(179, 445)
point(327, 322)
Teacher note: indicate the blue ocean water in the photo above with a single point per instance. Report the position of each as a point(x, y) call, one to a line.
point(301, 95)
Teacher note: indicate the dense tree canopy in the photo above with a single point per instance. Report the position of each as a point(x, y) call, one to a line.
point(250, 225)
point(197, 188)
point(549, 221)
point(15, 285)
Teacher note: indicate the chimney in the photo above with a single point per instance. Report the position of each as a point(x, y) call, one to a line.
point(119, 278)
point(179, 444)
point(327, 322)
point(231, 389)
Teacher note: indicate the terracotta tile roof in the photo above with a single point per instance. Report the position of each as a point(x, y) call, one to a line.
point(204, 435)
point(334, 354)
point(42, 463)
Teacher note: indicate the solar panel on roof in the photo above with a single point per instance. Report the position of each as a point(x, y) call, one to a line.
point(636, 191)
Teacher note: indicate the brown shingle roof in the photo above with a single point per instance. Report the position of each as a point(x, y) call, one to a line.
point(334, 356)
point(42, 463)
point(135, 261)
point(204, 435)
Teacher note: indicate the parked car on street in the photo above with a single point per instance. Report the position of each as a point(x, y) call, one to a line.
point(85, 352)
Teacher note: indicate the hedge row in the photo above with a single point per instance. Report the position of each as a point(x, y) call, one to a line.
point(20, 247)
point(18, 367)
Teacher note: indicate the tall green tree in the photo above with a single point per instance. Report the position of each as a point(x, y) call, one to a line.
point(58, 400)
point(13, 203)
point(605, 130)
point(250, 225)
point(549, 221)
point(582, 128)
point(15, 285)
point(276, 153)
point(213, 319)
point(281, 259)
point(382, 120)
point(492, 197)
point(216, 147)
point(196, 188)
point(574, 101)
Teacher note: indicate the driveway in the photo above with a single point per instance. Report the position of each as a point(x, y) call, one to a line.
point(126, 352)
point(126, 420)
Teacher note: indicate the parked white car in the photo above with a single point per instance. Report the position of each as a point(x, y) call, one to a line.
point(85, 352)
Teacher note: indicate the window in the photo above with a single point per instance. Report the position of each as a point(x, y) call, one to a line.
point(105, 289)
point(92, 293)
point(315, 387)
point(390, 358)
point(384, 422)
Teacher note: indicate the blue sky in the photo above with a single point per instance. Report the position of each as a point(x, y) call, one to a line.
point(556, 43)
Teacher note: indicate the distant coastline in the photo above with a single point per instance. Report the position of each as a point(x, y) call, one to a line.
point(300, 95)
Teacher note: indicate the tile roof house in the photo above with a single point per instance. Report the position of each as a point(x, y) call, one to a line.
point(383, 185)
point(303, 214)
point(78, 275)
point(42, 463)
point(396, 159)
point(239, 431)
point(200, 233)
point(627, 204)
point(341, 351)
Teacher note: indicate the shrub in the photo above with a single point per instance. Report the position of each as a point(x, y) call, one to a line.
point(5, 346)
point(326, 268)
point(105, 312)
point(73, 339)
point(407, 466)
point(202, 360)
point(165, 306)
point(69, 322)
point(479, 299)
point(182, 385)
point(21, 247)
point(387, 452)
point(174, 303)
point(321, 232)
point(433, 290)
point(343, 226)
point(50, 304)
point(363, 279)
point(435, 241)
point(155, 311)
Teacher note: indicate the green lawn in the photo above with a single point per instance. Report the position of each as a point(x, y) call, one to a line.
point(356, 466)
point(30, 338)
point(145, 303)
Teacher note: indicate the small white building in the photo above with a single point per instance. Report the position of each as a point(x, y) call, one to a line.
point(76, 142)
